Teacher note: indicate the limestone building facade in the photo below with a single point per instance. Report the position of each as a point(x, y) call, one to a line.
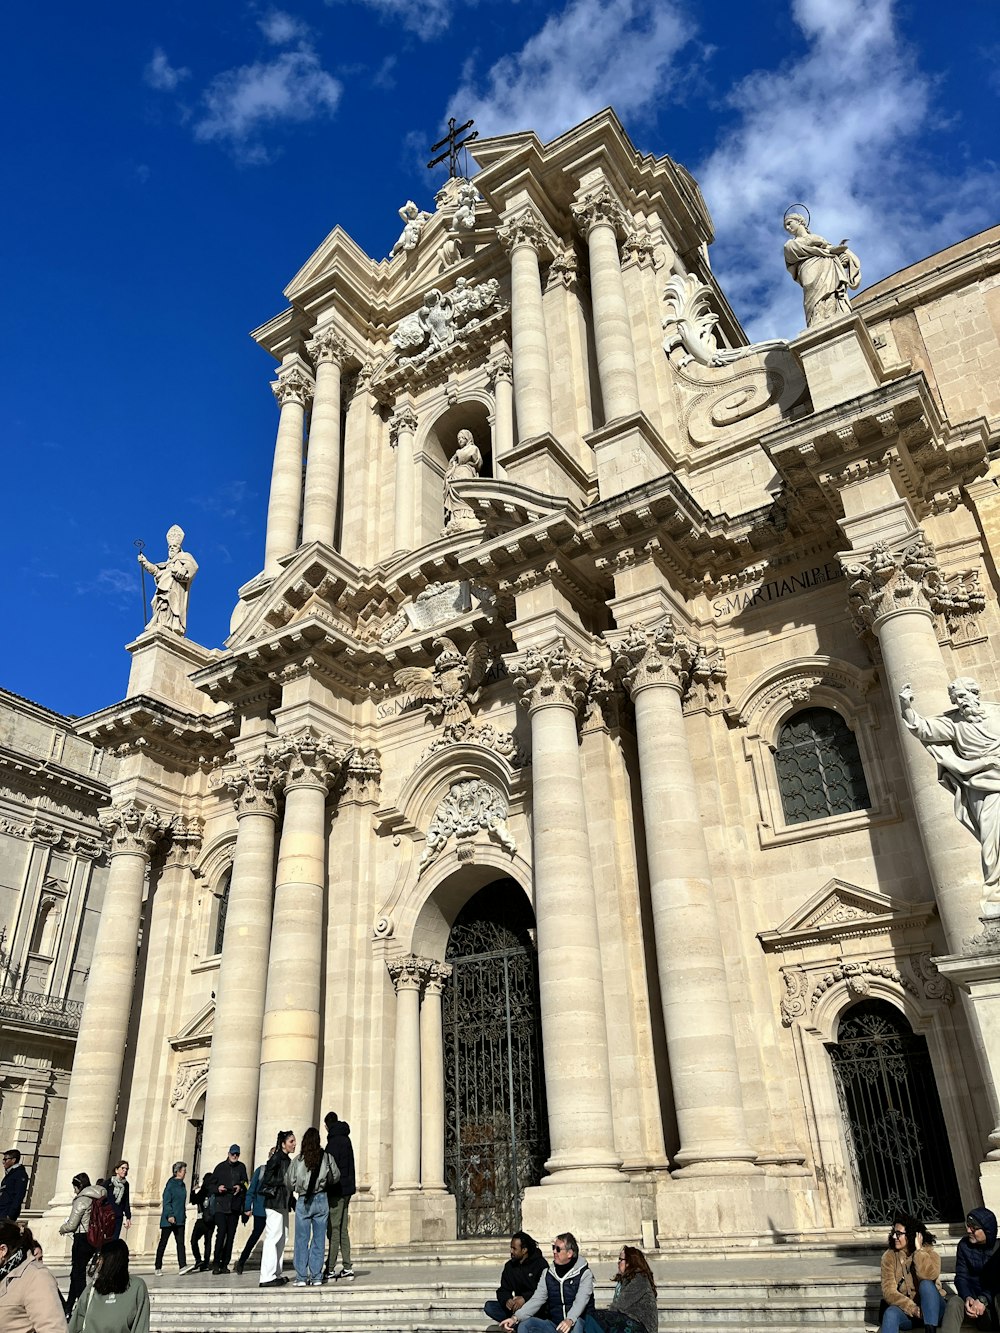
point(549, 812)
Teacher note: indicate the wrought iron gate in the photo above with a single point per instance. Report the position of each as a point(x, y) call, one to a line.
point(892, 1117)
point(496, 1137)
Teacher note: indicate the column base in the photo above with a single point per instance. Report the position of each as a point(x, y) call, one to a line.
point(411, 1217)
point(735, 1205)
point(592, 1210)
point(989, 1183)
point(587, 1167)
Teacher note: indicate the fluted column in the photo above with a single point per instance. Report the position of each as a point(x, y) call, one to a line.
point(234, 1068)
point(550, 684)
point(600, 218)
point(402, 428)
point(407, 978)
point(502, 380)
point(524, 237)
point(895, 590)
point(432, 1079)
point(322, 489)
point(289, 1049)
point(655, 665)
point(292, 389)
point(100, 1045)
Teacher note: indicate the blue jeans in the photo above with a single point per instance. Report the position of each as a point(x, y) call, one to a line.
point(535, 1325)
point(495, 1311)
point(310, 1236)
point(930, 1302)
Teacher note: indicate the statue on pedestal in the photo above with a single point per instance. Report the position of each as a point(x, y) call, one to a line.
point(965, 741)
point(173, 581)
point(823, 271)
point(465, 463)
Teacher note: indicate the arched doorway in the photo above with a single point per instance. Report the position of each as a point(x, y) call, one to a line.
point(893, 1124)
point(496, 1132)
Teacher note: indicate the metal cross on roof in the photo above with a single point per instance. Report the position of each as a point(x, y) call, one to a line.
point(454, 145)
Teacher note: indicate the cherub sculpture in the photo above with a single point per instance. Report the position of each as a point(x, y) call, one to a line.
point(413, 220)
point(448, 688)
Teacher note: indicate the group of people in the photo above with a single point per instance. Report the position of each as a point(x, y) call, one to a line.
point(317, 1183)
point(538, 1298)
point(912, 1293)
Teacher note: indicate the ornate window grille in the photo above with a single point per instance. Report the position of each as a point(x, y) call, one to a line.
point(819, 767)
point(220, 924)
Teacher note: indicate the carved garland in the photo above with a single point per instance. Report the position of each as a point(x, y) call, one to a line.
point(802, 993)
point(469, 806)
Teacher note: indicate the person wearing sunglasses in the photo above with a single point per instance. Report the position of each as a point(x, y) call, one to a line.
point(564, 1296)
point(911, 1291)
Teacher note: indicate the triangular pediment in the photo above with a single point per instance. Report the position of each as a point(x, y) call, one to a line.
point(339, 257)
point(197, 1031)
point(840, 909)
point(311, 583)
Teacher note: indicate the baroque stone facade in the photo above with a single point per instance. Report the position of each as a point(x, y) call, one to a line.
point(618, 759)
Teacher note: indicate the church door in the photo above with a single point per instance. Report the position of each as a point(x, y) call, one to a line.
point(893, 1123)
point(496, 1136)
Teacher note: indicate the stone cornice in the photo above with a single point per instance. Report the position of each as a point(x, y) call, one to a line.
point(46, 774)
point(170, 735)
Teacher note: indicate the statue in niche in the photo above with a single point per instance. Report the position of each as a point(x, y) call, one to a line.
point(825, 272)
point(413, 220)
point(173, 582)
point(965, 742)
point(465, 463)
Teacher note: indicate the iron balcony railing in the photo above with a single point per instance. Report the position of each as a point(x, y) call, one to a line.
point(43, 1011)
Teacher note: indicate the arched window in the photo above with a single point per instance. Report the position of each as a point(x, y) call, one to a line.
point(819, 767)
point(220, 921)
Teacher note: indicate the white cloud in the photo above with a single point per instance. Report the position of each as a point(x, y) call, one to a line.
point(592, 54)
point(426, 18)
point(844, 130)
point(160, 74)
point(238, 103)
point(280, 28)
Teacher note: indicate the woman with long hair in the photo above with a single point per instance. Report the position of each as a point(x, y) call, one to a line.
point(29, 1298)
point(118, 1196)
point(274, 1191)
point(117, 1302)
point(633, 1306)
point(911, 1267)
point(76, 1226)
point(311, 1173)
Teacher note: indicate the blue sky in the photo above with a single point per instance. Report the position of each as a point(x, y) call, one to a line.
point(170, 167)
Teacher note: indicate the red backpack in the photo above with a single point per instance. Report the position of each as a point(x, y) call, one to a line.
point(103, 1223)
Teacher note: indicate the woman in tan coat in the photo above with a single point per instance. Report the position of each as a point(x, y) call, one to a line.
point(911, 1267)
point(29, 1298)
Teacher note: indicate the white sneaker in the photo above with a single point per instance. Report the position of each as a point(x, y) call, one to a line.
point(157, 1272)
point(347, 1274)
point(188, 1268)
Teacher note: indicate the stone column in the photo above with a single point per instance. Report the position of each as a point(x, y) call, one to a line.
point(100, 1046)
point(322, 490)
point(432, 1080)
point(502, 380)
point(524, 236)
point(234, 1068)
point(655, 665)
point(289, 1049)
point(292, 389)
point(551, 683)
point(599, 218)
point(401, 431)
point(895, 589)
point(407, 977)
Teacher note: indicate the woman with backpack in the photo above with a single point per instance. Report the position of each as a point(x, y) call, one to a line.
point(86, 1239)
point(274, 1191)
point(116, 1301)
point(312, 1173)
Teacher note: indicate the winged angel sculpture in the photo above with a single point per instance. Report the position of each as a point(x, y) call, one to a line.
point(453, 683)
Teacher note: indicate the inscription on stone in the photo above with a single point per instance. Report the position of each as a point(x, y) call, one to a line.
point(774, 590)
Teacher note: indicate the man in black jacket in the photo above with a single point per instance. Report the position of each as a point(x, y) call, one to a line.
point(519, 1277)
point(231, 1183)
point(338, 1145)
point(14, 1185)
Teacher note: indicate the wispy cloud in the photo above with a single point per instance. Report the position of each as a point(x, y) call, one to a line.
point(592, 54)
point(843, 129)
point(117, 587)
point(160, 74)
point(426, 18)
point(280, 28)
point(239, 103)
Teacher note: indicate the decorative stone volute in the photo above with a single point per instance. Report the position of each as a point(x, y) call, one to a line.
point(891, 579)
point(328, 345)
point(555, 676)
point(254, 786)
point(134, 829)
point(292, 386)
point(308, 761)
point(655, 655)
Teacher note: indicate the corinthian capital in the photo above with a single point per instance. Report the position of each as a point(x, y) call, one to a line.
point(526, 227)
point(599, 209)
point(437, 976)
point(409, 973)
point(308, 761)
point(134, 829)
point(328, 345)
point(553, 677)
point(904, 577)
point(254, 785)
point(292, 386)
point(654, 655)
point(404, 419)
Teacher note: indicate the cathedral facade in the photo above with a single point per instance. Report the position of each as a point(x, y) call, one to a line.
point(564, 808)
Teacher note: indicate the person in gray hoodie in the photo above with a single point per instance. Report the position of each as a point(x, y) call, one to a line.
point(76, 1226)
